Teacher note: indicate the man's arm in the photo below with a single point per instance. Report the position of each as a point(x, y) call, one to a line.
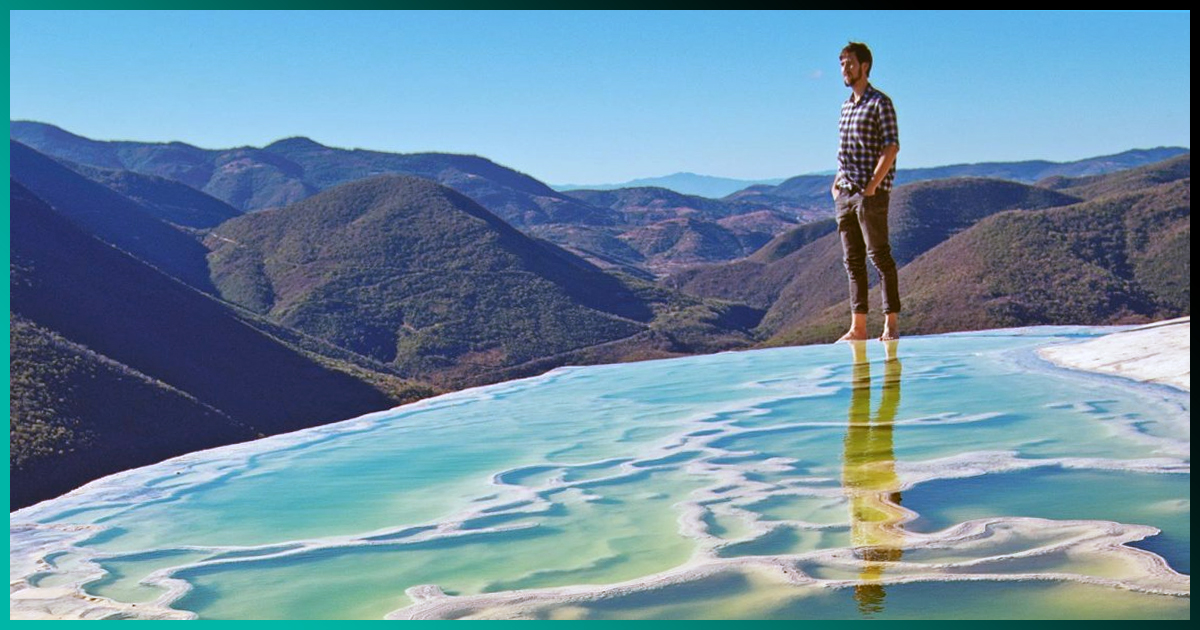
point(889, 130)
point(887, 158)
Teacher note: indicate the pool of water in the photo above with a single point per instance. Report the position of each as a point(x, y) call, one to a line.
point(953, 476)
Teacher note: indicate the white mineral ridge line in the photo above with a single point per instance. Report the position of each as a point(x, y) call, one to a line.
point(1145, 572)
point(1157, 353)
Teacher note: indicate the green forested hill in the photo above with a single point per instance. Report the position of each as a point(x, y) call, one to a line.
point(112, 217)
point(411, 273)
point(117, 365)
point(1123, 258)
point(1130, 180)
point(800, 273)
point(1120, 257)
point(167, 199)
point(76, 415)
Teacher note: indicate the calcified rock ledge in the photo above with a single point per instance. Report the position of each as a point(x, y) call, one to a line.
point(1157, 353)
point(976, 550)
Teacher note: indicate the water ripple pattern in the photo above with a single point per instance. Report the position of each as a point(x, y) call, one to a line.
point(949, 476)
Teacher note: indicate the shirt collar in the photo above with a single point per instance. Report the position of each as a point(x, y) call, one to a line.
point(867, 93)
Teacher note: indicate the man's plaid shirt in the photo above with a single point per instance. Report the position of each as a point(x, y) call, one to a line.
point(865, 128)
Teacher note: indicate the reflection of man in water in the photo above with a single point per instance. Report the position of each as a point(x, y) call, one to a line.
point(869, 475)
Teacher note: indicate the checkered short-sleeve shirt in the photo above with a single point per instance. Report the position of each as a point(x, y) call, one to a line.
point(865, 128)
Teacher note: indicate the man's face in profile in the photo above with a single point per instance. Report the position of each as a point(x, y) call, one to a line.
point(852, 70)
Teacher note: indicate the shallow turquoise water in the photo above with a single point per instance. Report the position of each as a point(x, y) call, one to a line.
point(1145, 498)
point(849, 472)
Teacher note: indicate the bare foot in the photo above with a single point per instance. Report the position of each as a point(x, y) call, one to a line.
point(858, 328)
point(891, 330)
point(853, 334)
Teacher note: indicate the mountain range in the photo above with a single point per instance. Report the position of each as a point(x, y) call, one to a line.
point(811, 192)
point(612, 234)
point(167, 298)
point(293, 169)
point(683, 183)
point(1027, 171)
point(250, 179)
point(141, 331)
point(980, 253)
point(660, 230)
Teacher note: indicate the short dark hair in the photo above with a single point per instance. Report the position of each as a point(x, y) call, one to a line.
point(861, 53)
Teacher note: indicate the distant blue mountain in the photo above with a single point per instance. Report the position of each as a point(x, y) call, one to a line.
point(812, 190)
point(686, 183)
point(814, 186)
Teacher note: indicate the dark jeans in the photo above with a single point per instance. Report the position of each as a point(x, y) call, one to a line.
point(863, 226)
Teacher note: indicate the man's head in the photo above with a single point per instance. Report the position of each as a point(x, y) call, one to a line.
point(856, 62)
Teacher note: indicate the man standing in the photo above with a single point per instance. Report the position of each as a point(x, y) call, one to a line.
point(869, 142)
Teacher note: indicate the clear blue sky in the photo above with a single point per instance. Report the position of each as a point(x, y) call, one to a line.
point(598, 97)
